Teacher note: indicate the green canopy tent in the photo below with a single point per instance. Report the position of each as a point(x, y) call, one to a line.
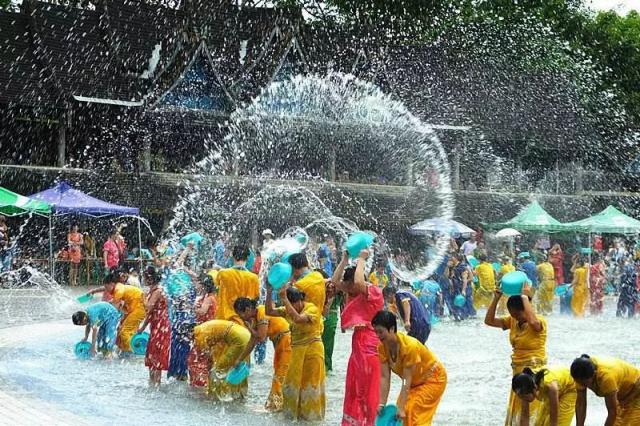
point(12, 204)
point(531, 218)
point(609, 221)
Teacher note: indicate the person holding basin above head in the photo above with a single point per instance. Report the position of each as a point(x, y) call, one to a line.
point(424, 377)
point(311, 283)
point(615, 380)
point(553, 388)
point(528, 337)
point(362, 387)
point(101, 319)
point(304, 386)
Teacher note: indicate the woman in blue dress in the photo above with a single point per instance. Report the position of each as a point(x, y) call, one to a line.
point(102, 319)
point(411, 311)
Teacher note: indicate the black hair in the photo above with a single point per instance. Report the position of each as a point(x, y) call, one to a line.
point(482, 257)
point(112, 277)
point(385, 319)
point(349, 274)
point(525, 383)
point(583, 368)
point(294, 295)
point(515, 303)
point(388, 291)
point(243, 303)
point(79, 318)
point(208, 283)
point(153, 274)
point(240, 253)
point(298, 261)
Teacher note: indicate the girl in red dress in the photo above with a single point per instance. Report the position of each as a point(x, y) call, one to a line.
point(206, 305)
point(158, 348)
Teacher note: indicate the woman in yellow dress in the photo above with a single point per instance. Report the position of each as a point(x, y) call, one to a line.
point(225, 342)
point(303, 390)
point(528, 337)
point(423, 375)
point(547, 279)
point(486, 283)
point(130, 301)
point(580, 290)
point(276, 329)
point(615, 380)
point(554, 388)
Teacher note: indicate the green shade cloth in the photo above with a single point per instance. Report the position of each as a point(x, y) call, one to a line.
point(608, 221)
point(531, 218)
point(12, 204)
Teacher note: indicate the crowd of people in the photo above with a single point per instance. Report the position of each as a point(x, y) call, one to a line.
point(205, 321)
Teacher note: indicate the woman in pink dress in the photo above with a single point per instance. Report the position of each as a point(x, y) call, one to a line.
point(362, 389)
point(158, 348)
point(597, 280)
point(205, 307)
point(75, 241)
point(556, 258)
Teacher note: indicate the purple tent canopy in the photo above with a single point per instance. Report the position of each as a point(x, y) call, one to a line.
point(64, 199)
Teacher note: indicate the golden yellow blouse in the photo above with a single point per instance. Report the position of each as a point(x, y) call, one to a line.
point(505, 269)
point(132, 296)
point(410, 352)
point(546, 272)
point(486, 276)
point(581, 276)
point(211, 332)
point(306, 332)
point(563, 379)
point(234, 283)
point(275, 325)
point(373, 279)
point(313, 287)
point(529, 346)
point(613, 375)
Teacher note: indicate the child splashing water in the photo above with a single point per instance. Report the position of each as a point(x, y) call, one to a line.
point(102, 320)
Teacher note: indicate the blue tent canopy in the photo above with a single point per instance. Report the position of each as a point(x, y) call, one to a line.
point(65, 199)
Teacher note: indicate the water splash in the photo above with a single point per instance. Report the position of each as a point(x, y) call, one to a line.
point(306, 152)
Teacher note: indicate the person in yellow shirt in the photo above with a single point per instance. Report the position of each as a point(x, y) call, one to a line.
point(225, 342)
point(130, 301)
point(276, 329)
point(554, 388)
point(615, 380)
point(303, 390)
point(580, 291)
point(378, 277)
point(235, 282)
point(528, 338)
point(483, 294)
point(311, 283)
point(547, 280)
point(424, 377)
point(506, 266)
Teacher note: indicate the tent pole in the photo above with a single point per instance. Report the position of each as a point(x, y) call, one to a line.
point(140, 274)
point(52, 269)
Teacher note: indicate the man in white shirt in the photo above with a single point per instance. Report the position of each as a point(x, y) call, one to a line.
point(469, 246)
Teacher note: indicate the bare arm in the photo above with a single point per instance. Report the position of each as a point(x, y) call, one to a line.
point(336, 279)
point(291, 312)
point(524, 413)
point(581, 407)
point(532, 319)
point(359, 280)
point(94, 339)
point(554, 402)
point(268, 304)
point(87, 330)
point(204, 307)
point(612, 408)
point(406, 308)
point(104, 258)
point(490, 317)
point(385, 383)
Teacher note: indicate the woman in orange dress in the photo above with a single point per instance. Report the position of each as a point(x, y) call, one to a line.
point(205, 308)
point(75, 241)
